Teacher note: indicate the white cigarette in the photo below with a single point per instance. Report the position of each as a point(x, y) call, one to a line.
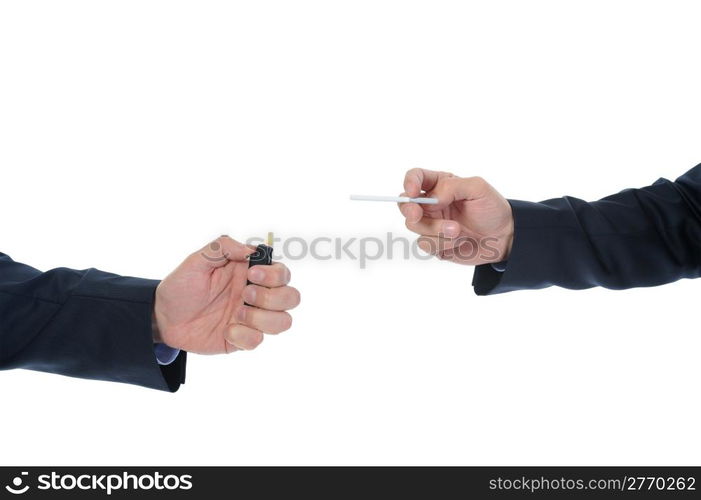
point(394, 199)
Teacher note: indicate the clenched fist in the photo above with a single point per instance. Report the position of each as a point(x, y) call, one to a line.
point(200, 306)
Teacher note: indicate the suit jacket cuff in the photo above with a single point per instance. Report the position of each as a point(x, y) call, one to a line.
point(534, 253)
point(121, 347)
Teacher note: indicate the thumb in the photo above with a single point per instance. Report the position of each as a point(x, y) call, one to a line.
point(220, 252)
point(450, 189)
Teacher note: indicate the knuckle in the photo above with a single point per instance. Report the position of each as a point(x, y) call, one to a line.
point(478, 182)
point(194, 257)
point(264, 297)
point(445, 182)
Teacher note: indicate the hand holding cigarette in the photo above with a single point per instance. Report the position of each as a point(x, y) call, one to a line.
point(471, 223)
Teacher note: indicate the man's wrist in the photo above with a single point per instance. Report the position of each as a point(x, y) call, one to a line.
point(509, 237)
point(165, 354)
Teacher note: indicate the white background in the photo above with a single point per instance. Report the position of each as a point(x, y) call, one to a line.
point(132, 132)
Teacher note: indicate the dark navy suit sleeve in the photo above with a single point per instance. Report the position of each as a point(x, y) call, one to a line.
point(636, 238)
point(87, 324)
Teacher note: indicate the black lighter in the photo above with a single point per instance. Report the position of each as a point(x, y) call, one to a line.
point(263, 255)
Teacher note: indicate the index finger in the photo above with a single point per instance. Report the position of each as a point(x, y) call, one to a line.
point(418, 179)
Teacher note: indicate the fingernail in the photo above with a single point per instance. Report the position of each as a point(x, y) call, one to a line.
point(256, 274)
point(249, 294)
point(451, 229)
